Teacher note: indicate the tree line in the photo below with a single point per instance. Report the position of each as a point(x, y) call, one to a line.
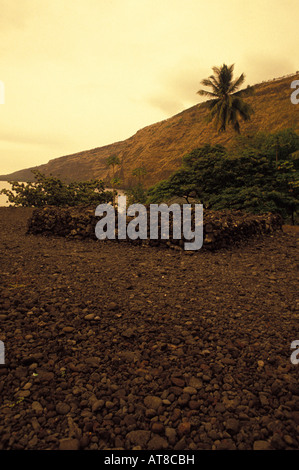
point(260, 173)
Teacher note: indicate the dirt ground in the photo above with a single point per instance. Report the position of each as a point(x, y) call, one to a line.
point(111, 346)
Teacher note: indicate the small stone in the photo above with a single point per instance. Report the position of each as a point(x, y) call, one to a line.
point(97, 405)
point(190, 390)
point(62, 408)
point(214, 435)
point(206, 378)
point(150, 413)
point(113, 307)
point(45, 376)
point(27, 360)
point(226, 444)
point(181, 444)
point(152, 402)
point(139, 437)
point(166, 402)
point(170, 433)
point(74, 430)
point(176, 414)
point(194, 405)
point(232, 425)
point(68, 329)
point(158, 428)
point(37, 407)
point(128, 333)
point(24, 393)
point(157, 442)
point(89, 316)
point(263, 399)
point(35, 424)
point(277, 442)
point(84, 441)
point(183, 399)
point(288, 440)
point(95, 377)
point(184, 429)
point(177, 382)
point(27, 386)
point(261, 445)
point(220, 408)
point(195, 382)
point(128, 356)
point(69, 444)
point(93, 361)
point(109, 404)
point(129, 420)
point(33, 442)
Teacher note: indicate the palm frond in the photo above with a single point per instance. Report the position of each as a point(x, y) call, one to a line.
point(235, 85)
point(227, 106)
point(206, 93)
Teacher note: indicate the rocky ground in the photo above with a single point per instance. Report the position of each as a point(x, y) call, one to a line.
point(112, 346)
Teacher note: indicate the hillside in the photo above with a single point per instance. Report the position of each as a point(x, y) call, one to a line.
point(160, 147)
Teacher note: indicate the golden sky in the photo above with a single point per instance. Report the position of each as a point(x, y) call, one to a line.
point(80, 74)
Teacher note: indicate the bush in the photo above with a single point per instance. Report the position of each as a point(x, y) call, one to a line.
point(259, 176)
point(136, 194)
point(50, 191)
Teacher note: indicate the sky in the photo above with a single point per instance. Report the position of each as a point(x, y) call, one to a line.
point(80, 74)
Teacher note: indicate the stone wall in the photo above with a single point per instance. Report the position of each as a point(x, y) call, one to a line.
point(221, 229)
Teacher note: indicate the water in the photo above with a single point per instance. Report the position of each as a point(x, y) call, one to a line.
point(3, 197)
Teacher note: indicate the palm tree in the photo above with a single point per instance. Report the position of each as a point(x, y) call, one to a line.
point(139, 173)
point(227, 105)
point(113, 161)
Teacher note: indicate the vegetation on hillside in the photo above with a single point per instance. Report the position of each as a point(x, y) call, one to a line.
point(260, 175)
point(113, 162)
point(136, 193)
point(161, 145)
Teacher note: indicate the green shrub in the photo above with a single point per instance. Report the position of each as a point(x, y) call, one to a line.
point(51, 191)
point(261, 174)
point(136, 194)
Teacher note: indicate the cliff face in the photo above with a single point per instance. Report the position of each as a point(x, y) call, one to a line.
point(160, 147)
